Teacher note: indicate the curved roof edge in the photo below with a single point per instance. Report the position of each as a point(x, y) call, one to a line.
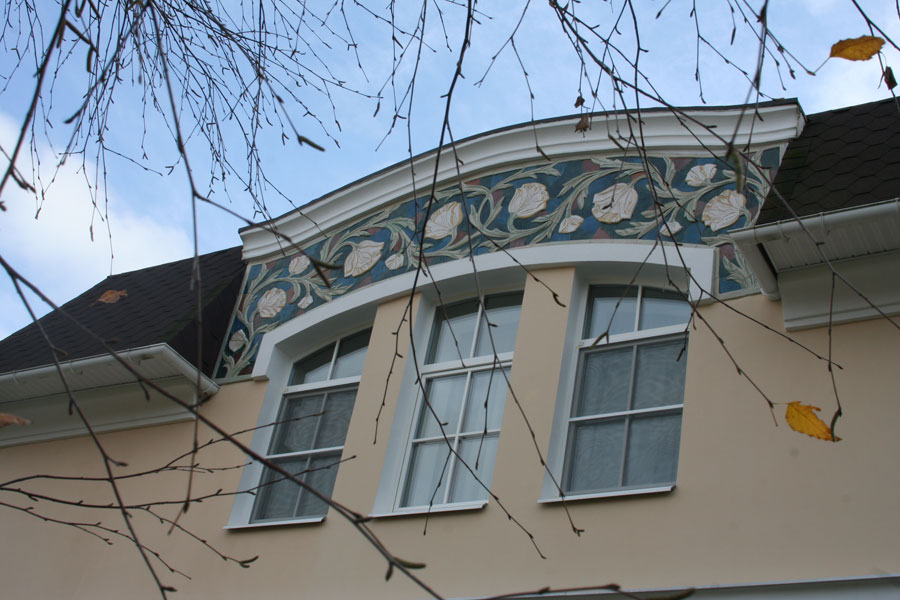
point(675, 130)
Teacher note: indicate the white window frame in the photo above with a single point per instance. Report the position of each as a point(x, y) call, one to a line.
point(557, 455)
point(244, 508)
point(594, 260)
point(392, 489)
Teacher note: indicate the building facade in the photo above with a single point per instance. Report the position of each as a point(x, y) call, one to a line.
point(574, 363)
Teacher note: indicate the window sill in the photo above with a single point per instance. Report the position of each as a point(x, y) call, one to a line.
point(661, 489)
point(424, 510)
point(303, 521)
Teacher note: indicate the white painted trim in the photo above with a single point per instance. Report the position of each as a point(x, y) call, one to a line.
point(595, 495)
point(663, 131)
point(865, 587)
point(806, 293)
point(110, 407)
point(304, 521)
point(749, 239)
point(179, 364)
point(616, 257)
point(437, 508)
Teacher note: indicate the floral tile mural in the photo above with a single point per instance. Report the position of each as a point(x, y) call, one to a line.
point(681, 199)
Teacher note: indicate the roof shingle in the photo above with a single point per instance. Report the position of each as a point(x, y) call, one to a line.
point(843, 158)
point(159, 307)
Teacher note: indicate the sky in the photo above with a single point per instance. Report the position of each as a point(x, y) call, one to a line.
point(81, 230)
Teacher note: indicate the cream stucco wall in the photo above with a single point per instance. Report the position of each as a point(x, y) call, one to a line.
point(754, 501)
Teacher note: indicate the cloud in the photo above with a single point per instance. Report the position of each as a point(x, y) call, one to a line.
point(56, 252)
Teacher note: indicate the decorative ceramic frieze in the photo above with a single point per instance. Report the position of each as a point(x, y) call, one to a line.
point(681, 199)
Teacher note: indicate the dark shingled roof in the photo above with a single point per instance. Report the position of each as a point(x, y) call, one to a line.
point(844, 158)
point(159, 307)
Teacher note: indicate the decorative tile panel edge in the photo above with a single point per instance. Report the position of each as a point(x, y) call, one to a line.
point(681, 199)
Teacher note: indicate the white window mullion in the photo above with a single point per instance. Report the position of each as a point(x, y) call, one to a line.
point(334, 355)
point(637, 309)
point(626, 413)
point(479, 322)
point(460, 419)
point(301, 490)
point(315, 435)
point(302, 388)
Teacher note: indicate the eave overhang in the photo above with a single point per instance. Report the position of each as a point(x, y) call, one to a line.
point(792, 257)
point(109, 394)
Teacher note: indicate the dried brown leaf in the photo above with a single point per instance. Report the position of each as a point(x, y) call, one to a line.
point(889, 80)
point(112, 296)
point(7, 419)
point(583, 124)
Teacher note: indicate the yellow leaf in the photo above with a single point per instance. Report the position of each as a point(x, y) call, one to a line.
point(112, 296)
point(6, 419)
point(861, 48)
point(802, 418)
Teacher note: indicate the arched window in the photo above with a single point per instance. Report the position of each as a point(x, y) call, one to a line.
point(465, 384)
point(308, 437)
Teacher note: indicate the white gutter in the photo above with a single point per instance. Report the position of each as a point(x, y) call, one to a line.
point(749, 240)
point(177, 363)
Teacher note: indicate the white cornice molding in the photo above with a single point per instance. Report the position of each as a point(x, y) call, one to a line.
point(840, 234)
point(107, 393)
point(692, 132)
point(113, 408)
point(156, 361)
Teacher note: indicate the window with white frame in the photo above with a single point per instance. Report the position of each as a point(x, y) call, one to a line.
point(453, 442)
point(308, 437)
point(624, 426)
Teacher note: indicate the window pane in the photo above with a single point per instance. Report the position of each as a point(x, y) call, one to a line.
point(335, 419)
point(602, 311)
point(479, 394)
point(465, 486)
point(277, 496)
point(455, 324)
point(427, 466)
point(351, 355)
point(503, 312)
point(653, 449)
point(595, 458)
point(445, 394)
point(296, 429)
point(660, 375)
point(314, 367)
point(605, 382)
point(660, 308)
point(322, 473)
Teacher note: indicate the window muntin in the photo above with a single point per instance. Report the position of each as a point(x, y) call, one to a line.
point(455, 337)
point(309, 435)
point(465, 384)
point(624, 426)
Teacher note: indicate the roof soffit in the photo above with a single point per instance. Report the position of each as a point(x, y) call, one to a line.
point(155, 363)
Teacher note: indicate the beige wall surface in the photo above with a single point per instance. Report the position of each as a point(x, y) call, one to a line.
point(754, 501)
